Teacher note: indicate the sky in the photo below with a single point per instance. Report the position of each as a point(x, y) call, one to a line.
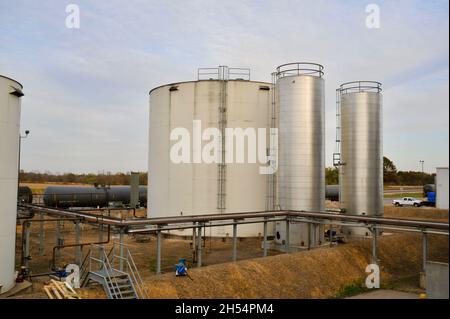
point(86, 89)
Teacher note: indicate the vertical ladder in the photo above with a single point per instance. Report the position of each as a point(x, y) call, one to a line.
point(222, 168)
point(337, 153)
point(271, 178)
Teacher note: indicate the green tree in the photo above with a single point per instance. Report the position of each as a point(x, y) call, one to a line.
point(389, 171)
point(331, 175)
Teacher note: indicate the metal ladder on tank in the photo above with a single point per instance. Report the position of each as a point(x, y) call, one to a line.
point(337, 153)
point(272, 178)
point(222, 168)
point(337, 160)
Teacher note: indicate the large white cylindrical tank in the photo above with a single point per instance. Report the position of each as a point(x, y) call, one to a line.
point(300, 91)
point(10, 93)
point(205, 188)
point(361, 167)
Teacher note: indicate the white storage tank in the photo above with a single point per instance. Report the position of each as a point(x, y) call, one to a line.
point(300, 104)
point(195, 188)
point(361, 158)
point(10, 99)
point(442, 187)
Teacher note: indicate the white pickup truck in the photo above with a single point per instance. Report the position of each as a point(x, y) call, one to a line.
point(407, 201)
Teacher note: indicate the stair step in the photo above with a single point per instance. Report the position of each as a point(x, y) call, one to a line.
point(121, 288)
point(121, 282)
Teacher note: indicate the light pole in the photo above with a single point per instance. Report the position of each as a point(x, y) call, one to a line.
point(421, 162)
point(20, 145)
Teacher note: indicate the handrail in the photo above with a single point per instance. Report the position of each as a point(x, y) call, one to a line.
point(139, 281)
point(360, 86)
point(299, 68)
point(136, 279)
point(107, 267)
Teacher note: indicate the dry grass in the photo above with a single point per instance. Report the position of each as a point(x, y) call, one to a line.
point(319, 273)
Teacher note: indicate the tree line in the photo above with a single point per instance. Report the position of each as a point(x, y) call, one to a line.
point(91, 178)
point(390, 175)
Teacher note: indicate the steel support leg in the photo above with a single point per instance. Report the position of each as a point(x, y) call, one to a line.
point(26, 250)
point(199, 246)
point(100, 240)
point(424, 250)
point(234, 242)
point(121, 234)
point(158, 251)
point(331, 235)
point(265, 239)
point(287, 235)
point(41, 235)
point(194, 244)
point(309, 235)
point(58, 237)
point(78, 256)
point(374, 246)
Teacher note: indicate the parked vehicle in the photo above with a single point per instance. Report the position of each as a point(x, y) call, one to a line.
point(407, 201)
point(427, 188)
point(431, 199)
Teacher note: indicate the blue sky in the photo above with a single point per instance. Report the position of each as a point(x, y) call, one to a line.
point(86, 89)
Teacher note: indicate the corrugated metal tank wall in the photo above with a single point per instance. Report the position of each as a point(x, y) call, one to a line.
point(189, 189)
point(301, 173)
point(361, 171)
point(9, 151)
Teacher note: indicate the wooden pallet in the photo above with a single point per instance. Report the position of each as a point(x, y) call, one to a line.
point(60, 290)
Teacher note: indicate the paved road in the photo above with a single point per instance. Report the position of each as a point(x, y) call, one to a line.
point(385, 294)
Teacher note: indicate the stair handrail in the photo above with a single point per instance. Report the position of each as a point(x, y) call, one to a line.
point(132, 269)
point(137, 276)
point(107, 267)
point(84, 265)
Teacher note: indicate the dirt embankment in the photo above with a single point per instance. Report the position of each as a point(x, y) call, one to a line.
point(319, 273)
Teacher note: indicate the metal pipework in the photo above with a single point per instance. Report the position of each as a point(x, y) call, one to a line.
point(158, 251)
point(26, 237)
point(234, 242)
point(78, 245)
point(235, 216)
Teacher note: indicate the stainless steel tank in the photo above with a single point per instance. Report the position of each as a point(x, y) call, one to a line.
point(300, 101)
point(10, 104)
point(361, 159)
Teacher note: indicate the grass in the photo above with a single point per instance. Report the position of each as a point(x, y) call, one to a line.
point(416, 195)
point(355, 288)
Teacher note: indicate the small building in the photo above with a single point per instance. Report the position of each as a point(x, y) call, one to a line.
point(442, 187)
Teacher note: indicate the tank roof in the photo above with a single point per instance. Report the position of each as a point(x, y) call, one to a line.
point(8, 78)
point(212, 80)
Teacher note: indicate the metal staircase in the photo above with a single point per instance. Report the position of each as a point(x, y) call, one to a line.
point(115, 271)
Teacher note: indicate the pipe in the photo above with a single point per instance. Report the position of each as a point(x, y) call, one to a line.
point(158, 252)
point(22, 258)
point(213, 217)
point(78, 245)
point(265, 237)
point(234, 242)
